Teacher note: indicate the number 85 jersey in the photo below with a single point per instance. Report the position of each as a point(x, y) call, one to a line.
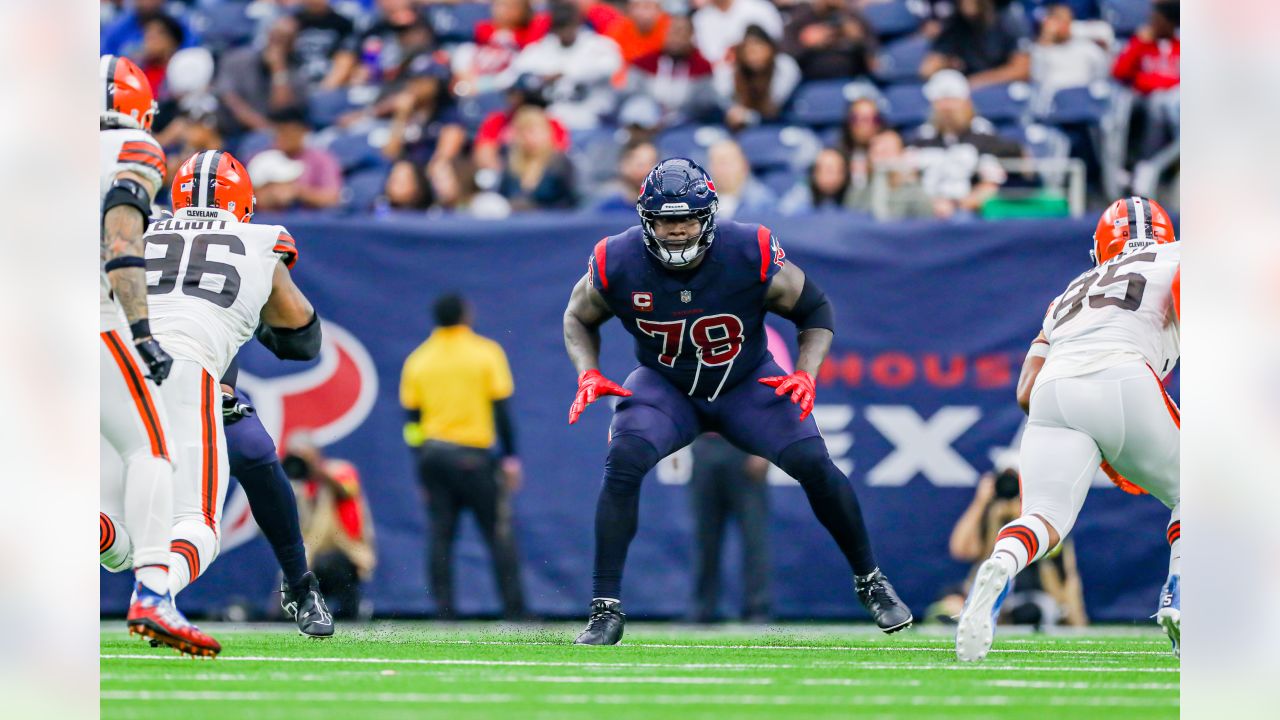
point(1124, 310)
point(208, 277)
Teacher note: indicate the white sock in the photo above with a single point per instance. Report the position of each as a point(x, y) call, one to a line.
point(148, 515)
point(194, 547)
point(1174, 536)
point(1021, 543)
point(115, 549)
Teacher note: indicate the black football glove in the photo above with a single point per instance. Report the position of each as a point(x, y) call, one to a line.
point(233, 411)
point(158, 361)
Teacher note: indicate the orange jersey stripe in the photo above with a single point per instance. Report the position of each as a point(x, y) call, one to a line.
point(209, 451)
point(138, 390)
point(1177, 292)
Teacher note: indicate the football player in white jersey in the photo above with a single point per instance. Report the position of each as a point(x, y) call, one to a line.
point(213, 279)
point(137, 504)
point(1093, 388)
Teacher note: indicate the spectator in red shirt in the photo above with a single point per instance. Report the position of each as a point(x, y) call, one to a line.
point(641, 31)
point(494, 133)
point(678, 78)
point(1150, 62)
point(1150, 65)
point(478, 66)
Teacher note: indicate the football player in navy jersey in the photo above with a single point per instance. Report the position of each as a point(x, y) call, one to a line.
point(694, 295)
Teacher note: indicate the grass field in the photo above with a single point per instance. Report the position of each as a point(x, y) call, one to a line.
point(467, 671)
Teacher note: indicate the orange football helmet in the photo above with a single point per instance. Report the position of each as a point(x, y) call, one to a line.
point(127, 100)
point(214, 179)
point(1132, 219)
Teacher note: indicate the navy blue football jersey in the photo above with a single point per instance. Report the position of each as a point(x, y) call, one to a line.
point(703, 329)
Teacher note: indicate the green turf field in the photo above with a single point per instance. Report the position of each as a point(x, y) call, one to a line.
point(467, 671)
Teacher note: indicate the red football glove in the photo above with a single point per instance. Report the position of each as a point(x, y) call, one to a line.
point(592, 385)
point(799, 384)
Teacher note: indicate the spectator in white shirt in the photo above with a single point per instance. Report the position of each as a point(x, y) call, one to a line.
point(1061, 60)
point(720, 25)
point(577, 65)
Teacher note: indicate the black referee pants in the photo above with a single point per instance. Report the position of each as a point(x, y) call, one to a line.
point(461, 478)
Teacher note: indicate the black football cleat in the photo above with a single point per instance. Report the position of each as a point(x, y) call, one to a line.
point(307, 608)
point(605, 625)
point(880, 599)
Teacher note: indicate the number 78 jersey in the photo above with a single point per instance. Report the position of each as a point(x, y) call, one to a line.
point(208, 278)
point(1124, 310)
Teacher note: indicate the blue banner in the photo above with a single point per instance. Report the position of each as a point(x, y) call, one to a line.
point(917, 395)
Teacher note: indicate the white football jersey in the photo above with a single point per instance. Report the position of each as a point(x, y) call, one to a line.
point(1122, 311)
point(135, 151)
point(208, 278)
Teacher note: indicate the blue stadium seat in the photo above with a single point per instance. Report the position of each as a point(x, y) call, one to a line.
point(905, 105)
point(831, 136)
point(326, 106)
point(891, 18)
point(1081, 9)
point(1078, 105)
point(1041, 141)
point(690, 141)
point(1126, 16)
point(225, 27)
point(770, 147)
point(780, 180)
point(361, 190)
point(252, 143)
point(900, 60)
point(1002, 103)
point(355, 153)
point(475, 108)
point(456, 23)
point(824, 102)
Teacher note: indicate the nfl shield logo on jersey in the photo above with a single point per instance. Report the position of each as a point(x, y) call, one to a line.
point(686, 296)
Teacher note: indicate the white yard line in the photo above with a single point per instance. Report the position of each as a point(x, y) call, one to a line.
point(634, 700)
point(828, 648)
point(976, 667)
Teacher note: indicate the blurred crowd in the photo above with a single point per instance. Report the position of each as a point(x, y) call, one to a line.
point(886, 108)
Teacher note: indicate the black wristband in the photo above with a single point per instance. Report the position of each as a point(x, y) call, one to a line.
point(125, 261)
point(140, 329)
point(128, 192)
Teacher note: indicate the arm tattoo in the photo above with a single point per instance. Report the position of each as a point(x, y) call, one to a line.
point(122, 235)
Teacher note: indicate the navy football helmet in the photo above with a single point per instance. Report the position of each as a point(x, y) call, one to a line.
point(678, 188)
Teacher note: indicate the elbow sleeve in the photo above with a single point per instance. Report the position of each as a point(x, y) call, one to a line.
point(292, 343)
point(812, 309)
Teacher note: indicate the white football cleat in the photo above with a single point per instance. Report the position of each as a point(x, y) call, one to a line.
point(1169, 616)
point(977, 627)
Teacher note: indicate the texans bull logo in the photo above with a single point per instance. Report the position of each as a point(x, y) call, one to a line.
point(329, 401)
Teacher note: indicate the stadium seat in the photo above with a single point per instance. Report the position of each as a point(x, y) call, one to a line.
point(456, 23)
point(780, 180)
point(899, 61)
point(770, 147)
point(473, 109)
point(1002, 103)
point(1081, 9)
point(905, 105)
point(1078, 105)
point(251, 144)
point(355, 152)
point(1126, 16)
point(326, 106)
point(225, 27)
point(824, 102)
point(891, 18)
point(1042, 142)
point(361, 191)
point(690, 141)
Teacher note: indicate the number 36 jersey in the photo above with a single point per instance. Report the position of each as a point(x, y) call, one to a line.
point(1124, 310)
point(208, 278)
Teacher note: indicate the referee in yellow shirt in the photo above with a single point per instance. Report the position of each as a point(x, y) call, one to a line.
point(456, 388)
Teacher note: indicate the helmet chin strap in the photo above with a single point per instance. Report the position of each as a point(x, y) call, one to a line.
point(680, 259)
